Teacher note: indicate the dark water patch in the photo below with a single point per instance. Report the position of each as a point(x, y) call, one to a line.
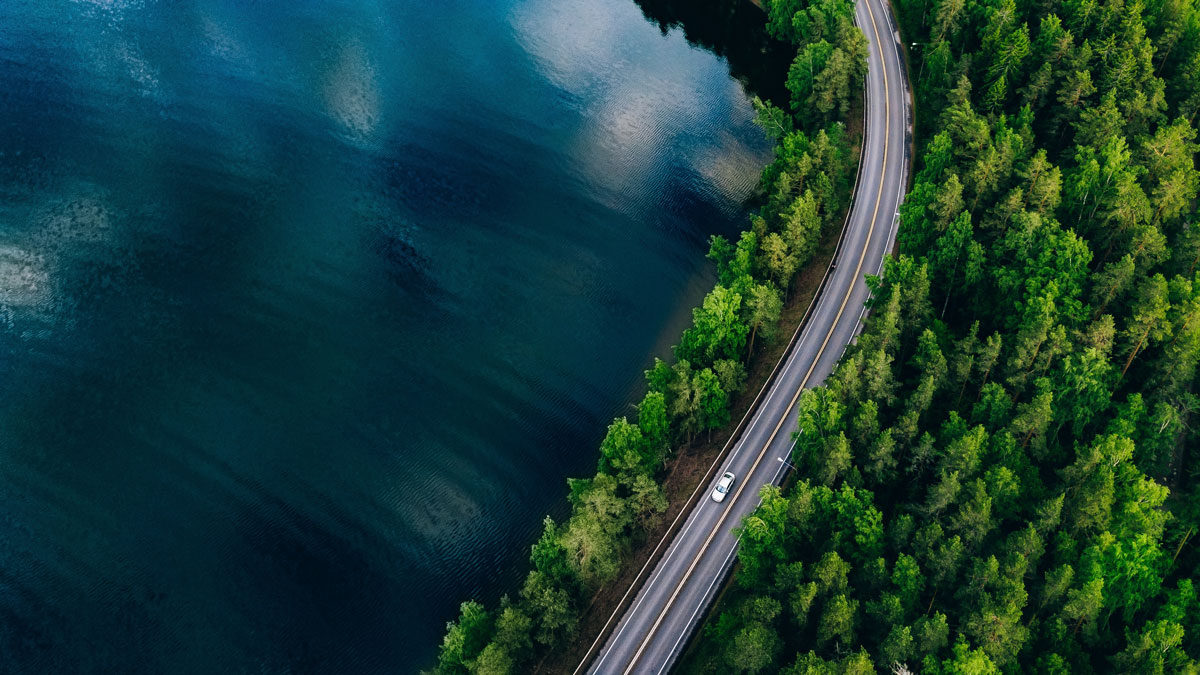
point(735, 30)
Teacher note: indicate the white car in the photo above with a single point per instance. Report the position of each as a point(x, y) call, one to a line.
point(723, 485)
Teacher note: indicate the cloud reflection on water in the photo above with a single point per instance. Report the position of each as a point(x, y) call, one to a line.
point(640, 113)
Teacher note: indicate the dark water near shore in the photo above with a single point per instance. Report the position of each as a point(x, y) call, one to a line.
point(307, 309)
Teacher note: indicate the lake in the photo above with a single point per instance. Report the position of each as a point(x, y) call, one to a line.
point(309, 309)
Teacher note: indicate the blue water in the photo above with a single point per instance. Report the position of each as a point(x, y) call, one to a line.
point(308, 309)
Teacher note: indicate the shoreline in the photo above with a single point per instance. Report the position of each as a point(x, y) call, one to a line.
point(689, 467)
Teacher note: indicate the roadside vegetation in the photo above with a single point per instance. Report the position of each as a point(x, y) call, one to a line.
point(805, 192)
point(1000, 476)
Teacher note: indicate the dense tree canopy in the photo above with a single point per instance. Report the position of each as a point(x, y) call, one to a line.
point(997, 477)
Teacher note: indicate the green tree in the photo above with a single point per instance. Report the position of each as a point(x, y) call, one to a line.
point(802, 76)
point(762, 309)
point(549, 556)
point(774, 122)
point(831, 574)
point(717, 331)
point(493, 660)
point(1034, 418)
point(908, 580)
point(735, 262)
point(762, 537)
point(1083, 604)
point(802, 226)
point(594, 534)
point(838, 621)
point(623, 449)
point(647, 500)
point(1177, 365)
point(1112, 281)
point(731, 375)
point(897, 647)
point(753, 649)
point(465, 638)
point(963, 661)
point(1156, 650)
point(778, 259)
point(551, 609)
point(712, 403)
point(514, 632)
point(1170, 167)
point(1149, 322)
point(946, 19)
point(654, 425)
point(932, 633)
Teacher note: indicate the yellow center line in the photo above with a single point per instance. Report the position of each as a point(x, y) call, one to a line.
point(762, 453)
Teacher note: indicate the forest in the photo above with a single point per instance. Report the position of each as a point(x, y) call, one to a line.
point(803, 197)
point(1000, 475)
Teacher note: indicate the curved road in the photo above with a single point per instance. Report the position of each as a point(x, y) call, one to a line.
point(652, 632)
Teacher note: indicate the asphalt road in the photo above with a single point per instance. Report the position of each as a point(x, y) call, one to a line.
point(656, 626)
